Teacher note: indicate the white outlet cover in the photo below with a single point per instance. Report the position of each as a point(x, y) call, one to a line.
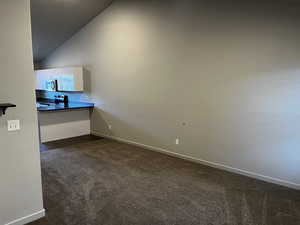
point(177, 141)
point(13, 125)
point(109, 127)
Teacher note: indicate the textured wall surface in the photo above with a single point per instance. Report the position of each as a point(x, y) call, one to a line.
point(224, 78)
point(20, 173)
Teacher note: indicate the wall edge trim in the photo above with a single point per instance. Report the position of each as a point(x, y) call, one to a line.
point(28, 219)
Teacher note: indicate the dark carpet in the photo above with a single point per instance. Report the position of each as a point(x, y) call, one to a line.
point(103, 182)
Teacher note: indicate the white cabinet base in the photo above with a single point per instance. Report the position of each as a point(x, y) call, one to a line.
point(59, 125)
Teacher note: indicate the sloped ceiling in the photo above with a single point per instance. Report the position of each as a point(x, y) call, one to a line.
point(55, 21)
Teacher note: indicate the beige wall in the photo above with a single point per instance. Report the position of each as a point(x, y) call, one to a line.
point(224, 79)
point(20, 175)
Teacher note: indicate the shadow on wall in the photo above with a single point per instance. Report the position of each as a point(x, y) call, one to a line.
point(125, 130)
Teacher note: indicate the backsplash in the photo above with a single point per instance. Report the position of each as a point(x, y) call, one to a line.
point(73, 96)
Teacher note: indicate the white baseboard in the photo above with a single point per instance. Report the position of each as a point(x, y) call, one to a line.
point(28, 219)
point(205, 162)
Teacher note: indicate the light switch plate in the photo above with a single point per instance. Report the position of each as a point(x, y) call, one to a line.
point(13, 125)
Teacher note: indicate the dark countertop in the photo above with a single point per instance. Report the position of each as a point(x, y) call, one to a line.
point(48, 105)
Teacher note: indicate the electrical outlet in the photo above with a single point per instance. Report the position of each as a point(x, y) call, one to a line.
point(177, 141)
point(109, 127)
point(13, 125)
